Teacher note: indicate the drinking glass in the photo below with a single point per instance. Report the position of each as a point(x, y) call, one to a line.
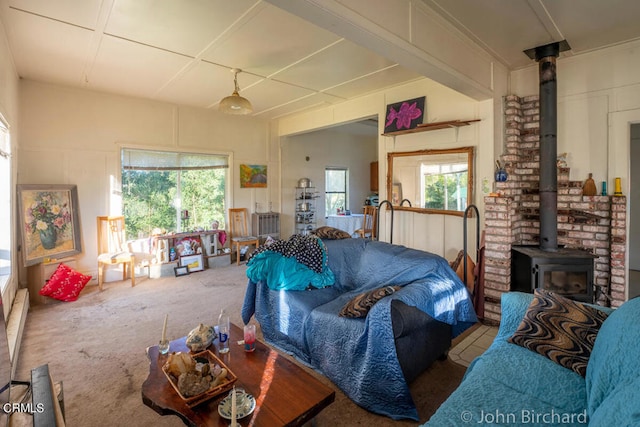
point(249, 337)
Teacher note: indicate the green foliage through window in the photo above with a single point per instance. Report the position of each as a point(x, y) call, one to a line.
point(158, 187)
point(446, 191)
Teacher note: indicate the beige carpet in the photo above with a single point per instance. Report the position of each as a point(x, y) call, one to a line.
point(96, 346)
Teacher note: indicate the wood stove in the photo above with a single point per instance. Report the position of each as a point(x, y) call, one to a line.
point(568, 272)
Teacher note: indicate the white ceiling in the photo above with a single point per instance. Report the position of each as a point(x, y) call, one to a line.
point(507, 27)
point(182, 51)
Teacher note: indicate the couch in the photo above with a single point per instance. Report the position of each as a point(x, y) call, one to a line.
point(372, 358)
point(512, 385)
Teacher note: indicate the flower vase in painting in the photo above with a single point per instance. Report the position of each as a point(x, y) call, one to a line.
point(48, 237)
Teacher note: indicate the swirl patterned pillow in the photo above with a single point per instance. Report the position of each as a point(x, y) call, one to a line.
point(560, 329)
point(360, 305)
point(330, 233)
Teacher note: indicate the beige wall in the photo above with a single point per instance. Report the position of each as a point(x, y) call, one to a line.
point(593, 90)
point(73, 136)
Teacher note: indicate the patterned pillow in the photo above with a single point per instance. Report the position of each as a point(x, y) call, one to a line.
point(65, 284)
point(330, 233)
point(360, 305)
point(560, 329)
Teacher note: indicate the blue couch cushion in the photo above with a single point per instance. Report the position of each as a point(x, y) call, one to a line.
point(619, 407)
point(613, 373)
point(283, 316)
point(344, 257)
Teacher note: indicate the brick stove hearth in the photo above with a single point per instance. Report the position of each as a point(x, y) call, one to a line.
point(596, 224)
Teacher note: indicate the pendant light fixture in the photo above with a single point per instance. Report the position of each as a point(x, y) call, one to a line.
point(234, 103)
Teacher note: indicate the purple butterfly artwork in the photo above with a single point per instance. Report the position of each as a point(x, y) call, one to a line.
point(404, 115)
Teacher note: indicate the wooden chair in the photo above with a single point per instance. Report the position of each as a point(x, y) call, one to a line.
point(239, 234)
point(113, 248)
point(368, 223)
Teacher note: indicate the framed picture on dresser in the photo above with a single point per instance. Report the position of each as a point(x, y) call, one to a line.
point(192, 262)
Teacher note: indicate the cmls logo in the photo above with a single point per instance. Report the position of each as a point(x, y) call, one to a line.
point(27, 408)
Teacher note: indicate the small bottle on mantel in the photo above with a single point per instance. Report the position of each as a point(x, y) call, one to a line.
point(589, 187)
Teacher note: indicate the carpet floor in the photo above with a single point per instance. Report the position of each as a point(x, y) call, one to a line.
point(96, 347)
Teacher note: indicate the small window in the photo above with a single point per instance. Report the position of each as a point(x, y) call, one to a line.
point(336, 196)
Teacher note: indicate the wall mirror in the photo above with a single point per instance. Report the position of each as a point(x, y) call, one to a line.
point(431, 181)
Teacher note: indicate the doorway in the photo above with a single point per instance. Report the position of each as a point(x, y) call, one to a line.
point(634, 211)
point(347, 146)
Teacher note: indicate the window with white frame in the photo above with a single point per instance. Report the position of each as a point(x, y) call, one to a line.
point(172, 191)
point(336, 190)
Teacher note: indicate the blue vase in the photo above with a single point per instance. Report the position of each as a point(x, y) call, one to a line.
point(48, 237)
point(501, 175)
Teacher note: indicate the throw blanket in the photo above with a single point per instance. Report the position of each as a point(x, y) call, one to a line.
point(293, 264)
point(359, 355)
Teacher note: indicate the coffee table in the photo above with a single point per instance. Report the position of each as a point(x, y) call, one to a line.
point(286, 395)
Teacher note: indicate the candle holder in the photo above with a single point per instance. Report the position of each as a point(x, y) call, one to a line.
point(163, 346)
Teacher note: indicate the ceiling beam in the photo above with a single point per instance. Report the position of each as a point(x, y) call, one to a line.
point(473, 81)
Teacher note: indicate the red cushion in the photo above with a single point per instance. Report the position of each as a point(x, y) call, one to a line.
point(65, 284)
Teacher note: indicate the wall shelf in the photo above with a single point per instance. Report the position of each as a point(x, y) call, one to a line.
point(451, 124)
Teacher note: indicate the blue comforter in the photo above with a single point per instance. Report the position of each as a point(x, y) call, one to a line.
point(359, 355)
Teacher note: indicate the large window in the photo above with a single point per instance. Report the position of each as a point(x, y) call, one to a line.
point(336, 186)
point(172, 191)
point(5, 205)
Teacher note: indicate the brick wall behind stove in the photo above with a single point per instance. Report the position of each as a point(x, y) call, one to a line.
point(593, 223)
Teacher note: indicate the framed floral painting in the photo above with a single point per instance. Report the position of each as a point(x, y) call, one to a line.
point(49, 219)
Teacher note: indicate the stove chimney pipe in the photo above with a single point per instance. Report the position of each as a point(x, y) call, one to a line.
point(546, 57)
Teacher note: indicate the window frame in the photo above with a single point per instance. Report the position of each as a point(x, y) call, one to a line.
point(8, 191)
point(116, 202)
point(346, 187)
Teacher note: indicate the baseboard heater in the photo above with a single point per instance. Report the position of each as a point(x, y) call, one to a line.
point(49, 406)
point(40, 399)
